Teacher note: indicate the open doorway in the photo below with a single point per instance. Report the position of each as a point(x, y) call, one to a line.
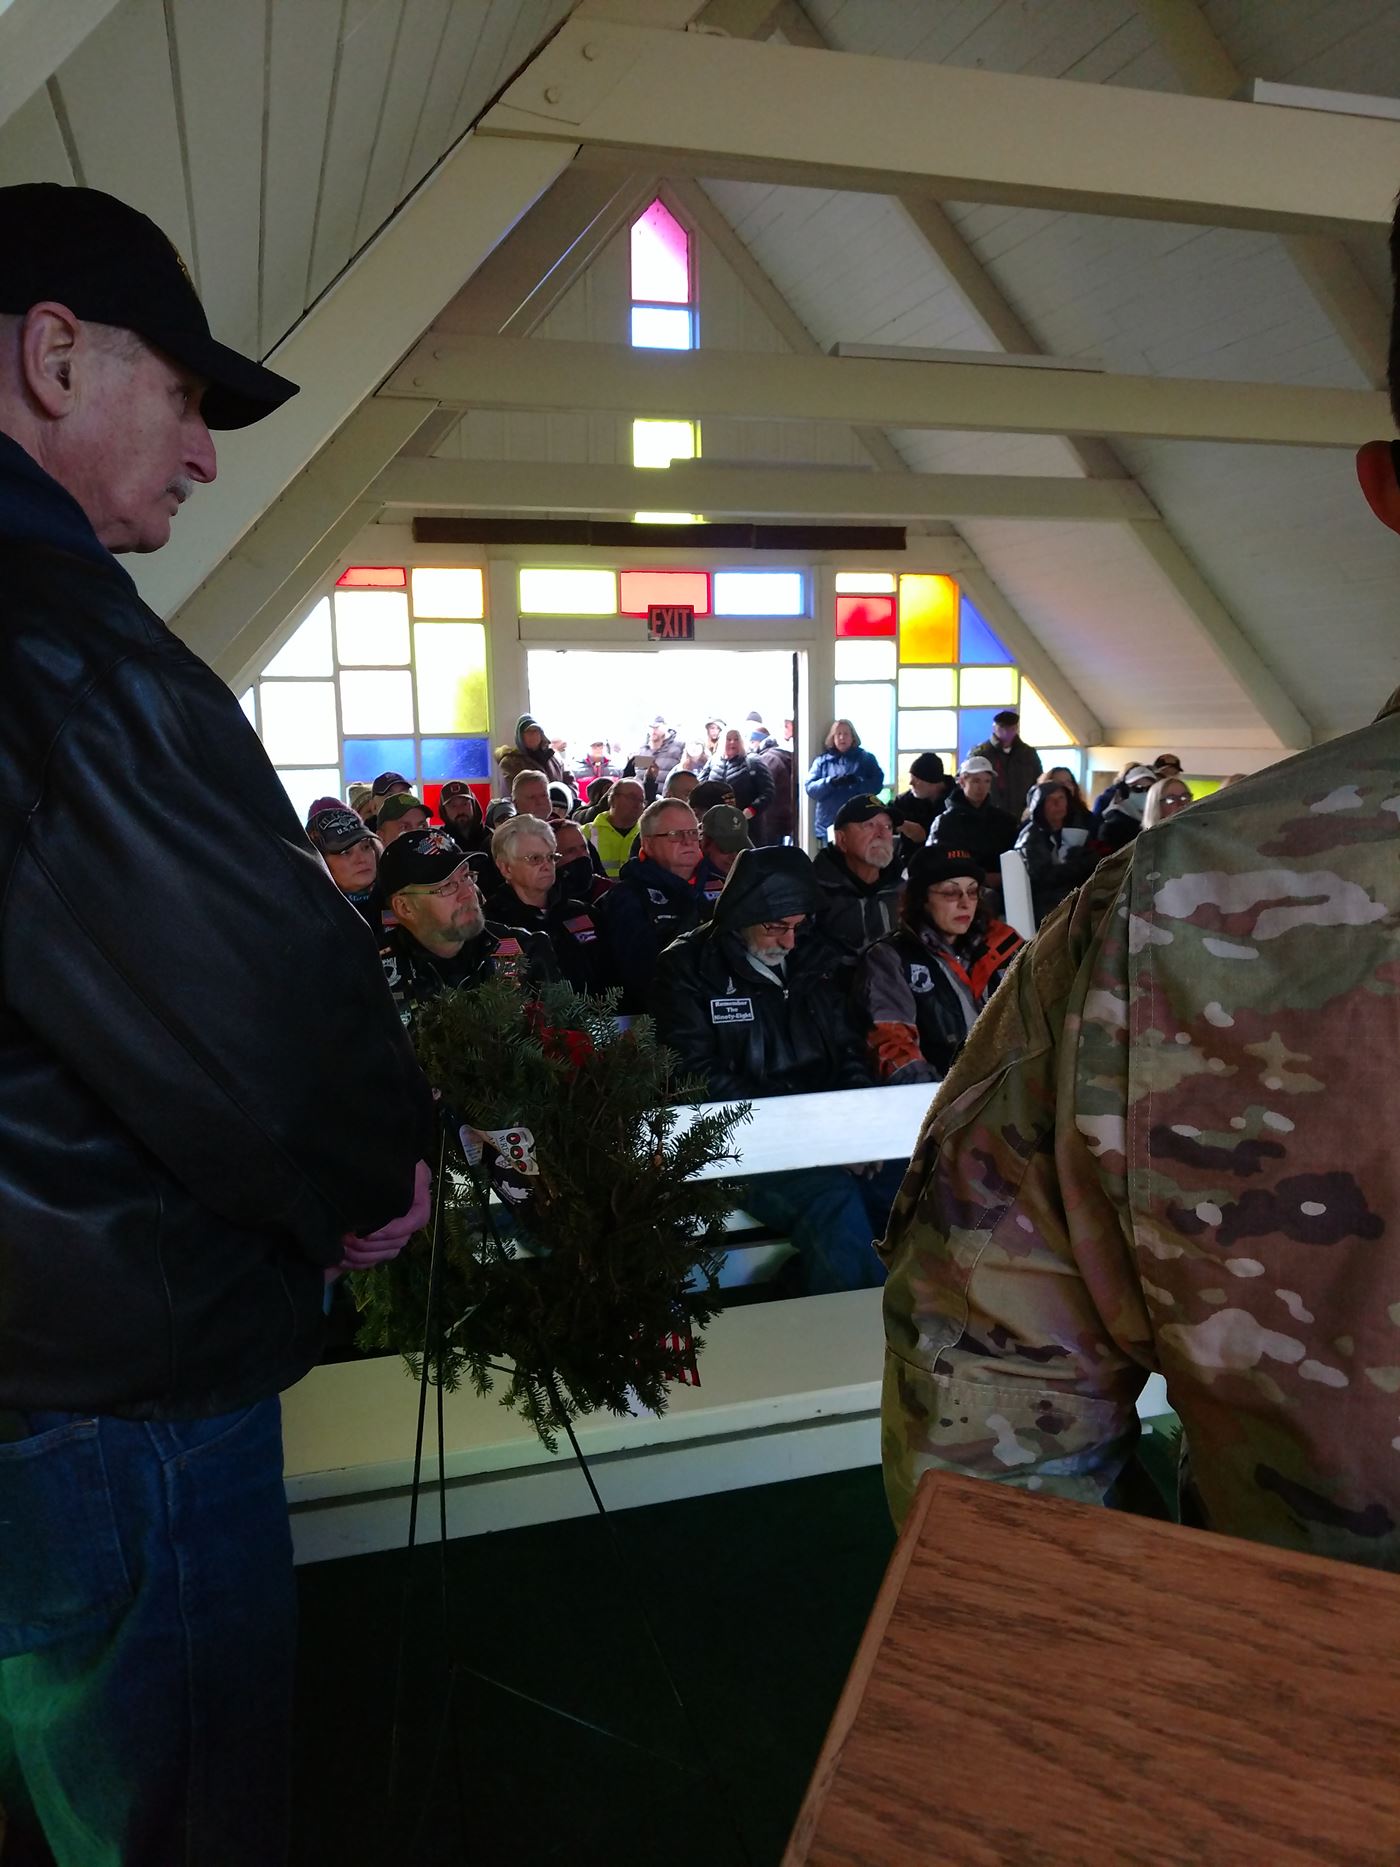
point(583, 694)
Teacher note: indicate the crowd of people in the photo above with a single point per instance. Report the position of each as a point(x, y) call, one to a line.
point(674, 880)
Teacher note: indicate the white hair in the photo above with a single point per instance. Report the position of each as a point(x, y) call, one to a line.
point(503, 841)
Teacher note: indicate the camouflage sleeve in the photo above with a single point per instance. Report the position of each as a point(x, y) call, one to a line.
point(1017, 1339)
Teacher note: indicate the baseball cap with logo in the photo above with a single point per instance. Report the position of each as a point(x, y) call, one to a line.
point(860, 810)
point(387, 781)
point(398, 806)
point(456, 787)
point(970, 768)
point(335, 830)
point(726, 827)
point(418, 859)
point(112, 265)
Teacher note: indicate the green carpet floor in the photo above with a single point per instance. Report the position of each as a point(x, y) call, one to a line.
point(572, 1750)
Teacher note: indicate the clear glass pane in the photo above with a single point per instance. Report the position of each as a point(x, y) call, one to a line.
point(865, 583)
point(371, 628)
point(658, 443)
point(660, 258)
point(928, 687)
point(377, 702)
point(304, 787)
point(759, 593)
point(656, 329)
point(988, 687)
point(922, 731)
point(249, 704)
point(1039, 726)
point(298, 721)
point(869, 706)
point(1072, 757)
point(667, 518)
point(858, 660)
point(450, 658)
point(450, 593)
point(308, 649)
point(568, 592)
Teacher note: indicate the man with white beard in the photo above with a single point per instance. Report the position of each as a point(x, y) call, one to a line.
point(860, 874)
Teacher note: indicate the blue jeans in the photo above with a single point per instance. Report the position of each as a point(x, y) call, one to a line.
point(147, 1638)
point(833, 1218)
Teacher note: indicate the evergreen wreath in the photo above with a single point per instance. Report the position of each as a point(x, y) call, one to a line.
point(589, 1285)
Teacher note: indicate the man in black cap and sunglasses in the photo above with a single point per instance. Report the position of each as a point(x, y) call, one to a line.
point(175, 1088)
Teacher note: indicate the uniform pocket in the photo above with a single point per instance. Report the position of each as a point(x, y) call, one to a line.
point(61, 1563)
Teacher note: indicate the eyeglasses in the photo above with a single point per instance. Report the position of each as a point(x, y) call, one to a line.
point(538, 862)
point(776, 929)
point(972, 894)
point(454, 885)
point(674, 836)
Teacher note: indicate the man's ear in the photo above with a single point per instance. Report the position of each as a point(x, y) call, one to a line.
point(1378, 471)
point(48, 347)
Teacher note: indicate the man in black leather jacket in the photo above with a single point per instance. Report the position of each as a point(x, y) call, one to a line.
point(189, 1027)
point(756, 1003)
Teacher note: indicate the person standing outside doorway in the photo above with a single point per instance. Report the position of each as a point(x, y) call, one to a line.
point(190, 1026)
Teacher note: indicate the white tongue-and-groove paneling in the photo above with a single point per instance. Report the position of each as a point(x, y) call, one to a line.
point(32, 147)
point(446, 87)
point(1338, 45)
point(117, 92)
point(301, 68)
point(220, 53)
point(362, 68)
point(415, 57)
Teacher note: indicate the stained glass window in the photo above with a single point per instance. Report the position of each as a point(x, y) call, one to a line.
point(661, 327)
point(759, 593)
point(641, 588)
point(549, 592)
point(1039, 726)
point(979, 642)
point(928, 687)
point(303, 787)
point(660, 258)
point(918, 730)
point(298, 722)
point(658, 443)
point(377, 701)
point(450, 668)
point(865, 583)
point(249, 703)
point(869, 706)
point(974, 727)
point(371, 628)
point(364, 759)
point(468, 758)
point(865, 615)
point(449, 593)
point(988, 687)
point(928, 618)
point(308, 649)
point(372, 577)
point(858, 660)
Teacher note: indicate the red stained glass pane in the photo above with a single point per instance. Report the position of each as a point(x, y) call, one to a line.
point(641, 588)
point(660, 258)
point(373, 577)
point(865, 615)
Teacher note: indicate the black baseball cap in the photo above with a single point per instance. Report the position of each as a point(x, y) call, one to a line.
point(861, 810)
point(417, 859)
point(386, 781)
point(110, 264)
point(334, 830)
point(934, 864)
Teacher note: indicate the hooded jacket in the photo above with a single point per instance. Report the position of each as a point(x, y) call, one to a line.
point(852, 912)
point(747, 777)
point(471, 836)
point(513, 759)
point(837, 777)
point(1057, 864)
point(638, 918)
point(176, 1085)
point(983, 830)
point(731, 1022)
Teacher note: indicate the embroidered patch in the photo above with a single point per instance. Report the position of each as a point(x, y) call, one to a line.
point(731, 1011)
point(655, 896)
point(920, 979)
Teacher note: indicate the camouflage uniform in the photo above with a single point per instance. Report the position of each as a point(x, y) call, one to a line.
point(1167, 1145)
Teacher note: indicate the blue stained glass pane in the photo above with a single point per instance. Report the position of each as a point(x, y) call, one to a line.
point(979, 644)
point(364, 759)
point(456, 758)
point(974, 725)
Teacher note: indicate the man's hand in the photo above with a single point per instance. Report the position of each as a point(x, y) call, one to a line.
point(363, 1254)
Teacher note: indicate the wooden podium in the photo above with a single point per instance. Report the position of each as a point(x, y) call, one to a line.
point(1051, 1683)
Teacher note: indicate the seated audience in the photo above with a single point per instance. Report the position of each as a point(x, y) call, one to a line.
point(596, 793)
point(1080, 816)
point(921, 988)
point(1112, 791)
point(681, 784)
point(579, 875)
point(841, 771)
point(613, 833)
point(529, 792)
point(387, 784)
point(561, 802)
point(1168, 796)
point(531, 895)
point(352, 856)
point(319, 804)
point(914, 810)
point(530, 752)
point(1167, 765)
point(362, 801)
point(399, 814)
point(724, 831)
point(441, 937)
point(757, 1004)
point(497, 812)
point(860, 875)
point(1122, 820)
point(705, 796)
point(462, 817)
point(747, 776)
point(971, 821)
point(656, 898)
point(1058, 857)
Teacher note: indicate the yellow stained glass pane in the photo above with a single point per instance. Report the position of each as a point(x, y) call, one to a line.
point(549, 592)
point(928, 618)
point(865, 583)
point(859, 659)
point(376, 703)
point(1039, 726)
point(449, 659)
point(928, 687)
point(448, 592)
point(667, 518)
point(658, 443)
point(988, 687)
point(921, 732)
point(371, 630)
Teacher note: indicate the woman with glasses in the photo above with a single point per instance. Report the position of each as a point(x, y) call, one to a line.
point(531, 895)
point(1169, 795)
point(921, 987)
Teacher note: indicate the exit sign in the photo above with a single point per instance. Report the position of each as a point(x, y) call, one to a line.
point(671, 622)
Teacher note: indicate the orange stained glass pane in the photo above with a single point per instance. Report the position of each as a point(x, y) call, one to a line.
point(928, 618)
point(641, 588)
point(372, 577)
point(864, 615)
